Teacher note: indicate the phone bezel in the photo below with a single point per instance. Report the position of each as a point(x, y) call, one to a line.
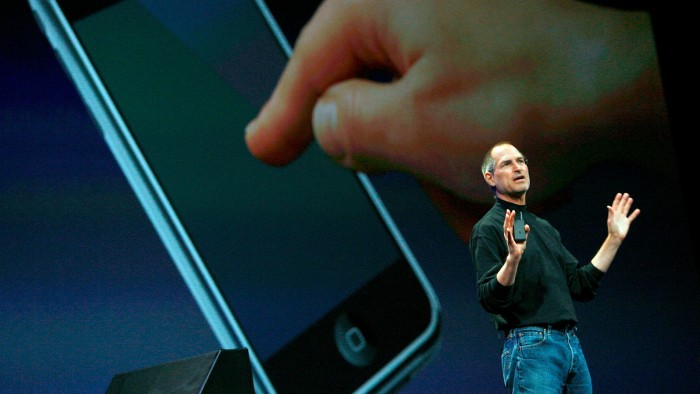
point(194, 271)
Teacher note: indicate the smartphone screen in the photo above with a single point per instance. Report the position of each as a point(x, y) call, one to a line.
point(300, 264)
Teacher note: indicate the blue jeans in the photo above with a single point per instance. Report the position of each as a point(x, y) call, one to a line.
point(544, 360)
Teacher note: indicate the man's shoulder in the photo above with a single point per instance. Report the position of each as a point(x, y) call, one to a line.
point(492, 218)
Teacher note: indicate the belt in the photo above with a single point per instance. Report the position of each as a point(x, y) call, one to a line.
point(561, 326)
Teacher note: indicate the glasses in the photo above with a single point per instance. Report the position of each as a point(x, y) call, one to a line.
point(505, 164)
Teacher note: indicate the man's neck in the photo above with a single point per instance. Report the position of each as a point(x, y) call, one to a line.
point(518, 200)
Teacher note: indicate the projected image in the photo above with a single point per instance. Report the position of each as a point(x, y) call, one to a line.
point(366, 196)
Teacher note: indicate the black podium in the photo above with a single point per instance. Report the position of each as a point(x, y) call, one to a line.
point(221, 371)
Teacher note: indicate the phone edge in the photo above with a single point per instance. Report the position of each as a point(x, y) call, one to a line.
point(396, 372)
point(78, 67)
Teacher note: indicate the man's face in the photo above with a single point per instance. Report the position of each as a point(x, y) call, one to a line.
point(510, 176)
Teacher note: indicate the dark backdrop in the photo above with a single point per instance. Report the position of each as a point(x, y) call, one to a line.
point(87, 290)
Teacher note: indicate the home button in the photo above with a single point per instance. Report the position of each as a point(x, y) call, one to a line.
point(351, 342)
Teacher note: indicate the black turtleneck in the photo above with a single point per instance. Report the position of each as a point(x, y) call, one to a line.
point(548, 280)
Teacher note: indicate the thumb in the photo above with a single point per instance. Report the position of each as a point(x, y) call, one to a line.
point(365, 125)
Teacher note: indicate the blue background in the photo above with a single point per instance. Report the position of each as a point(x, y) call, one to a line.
point(87, 290)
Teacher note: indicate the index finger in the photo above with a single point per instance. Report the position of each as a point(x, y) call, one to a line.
point(336, 44)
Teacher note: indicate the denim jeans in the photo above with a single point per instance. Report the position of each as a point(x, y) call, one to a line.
point(544, 360)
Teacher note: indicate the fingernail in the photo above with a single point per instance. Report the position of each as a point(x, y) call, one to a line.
point(250, 128)
point(325, 123)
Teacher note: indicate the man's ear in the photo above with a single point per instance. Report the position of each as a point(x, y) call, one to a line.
point(488, 177)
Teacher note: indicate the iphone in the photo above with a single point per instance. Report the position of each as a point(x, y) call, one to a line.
point(302, 264)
